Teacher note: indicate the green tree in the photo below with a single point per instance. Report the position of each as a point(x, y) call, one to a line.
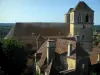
point(96, 40)
point(16, 55)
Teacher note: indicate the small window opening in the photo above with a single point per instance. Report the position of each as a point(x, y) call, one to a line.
point(87, 18)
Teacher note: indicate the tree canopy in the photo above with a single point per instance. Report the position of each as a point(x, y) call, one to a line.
point(16, 55)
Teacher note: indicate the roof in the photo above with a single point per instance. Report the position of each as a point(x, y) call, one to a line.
point(61, 47)
point(44, 29)
point(94, 56)
point(82, 6)
point(96, 50)
point(69, 10)
point(43, 50)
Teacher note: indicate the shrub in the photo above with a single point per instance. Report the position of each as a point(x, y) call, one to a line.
point(16, 54)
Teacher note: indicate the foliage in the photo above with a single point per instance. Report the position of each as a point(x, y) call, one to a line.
point(96, 40)
point(16, 54)
point(10, 45)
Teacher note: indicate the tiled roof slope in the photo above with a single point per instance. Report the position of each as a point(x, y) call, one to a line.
point(43, 50)
point(94, 55)
point(61, 47)
point(44, 29)
point(47, 70)
point(69, 10)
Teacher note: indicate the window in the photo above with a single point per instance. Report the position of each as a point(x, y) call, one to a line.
point(83, 65)
point(79, 18)
point(82, 37)
point(87, 18)
point(83, 26)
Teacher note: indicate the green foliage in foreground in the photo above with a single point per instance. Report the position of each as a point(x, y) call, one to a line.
point(10, 45)
point(14, 50)
point(16, 55)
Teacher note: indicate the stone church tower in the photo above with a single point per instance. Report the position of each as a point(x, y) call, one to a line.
point(81, 20)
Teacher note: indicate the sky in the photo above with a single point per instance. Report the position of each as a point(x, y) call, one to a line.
point(12, 11)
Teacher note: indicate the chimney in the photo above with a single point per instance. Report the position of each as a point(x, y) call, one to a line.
point(69, 49)
point(51, 46)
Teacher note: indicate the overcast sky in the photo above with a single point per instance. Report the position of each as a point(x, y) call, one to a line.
point(41, 10)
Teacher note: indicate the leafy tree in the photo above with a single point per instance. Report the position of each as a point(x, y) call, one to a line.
point(96, 40)
point(16, 54)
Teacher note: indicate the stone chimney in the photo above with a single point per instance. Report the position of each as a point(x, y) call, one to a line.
point(51, 46)
point(69, 49)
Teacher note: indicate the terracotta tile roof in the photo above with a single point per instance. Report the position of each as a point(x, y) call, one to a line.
point(42, 59)
point(61, 45)
point(43, 50)
point(96, 50)
point(94, 56)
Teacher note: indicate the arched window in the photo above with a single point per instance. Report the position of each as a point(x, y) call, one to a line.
point(87, 18)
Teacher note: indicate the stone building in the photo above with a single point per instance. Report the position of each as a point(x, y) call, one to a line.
point(72, 41)
point(78, 21)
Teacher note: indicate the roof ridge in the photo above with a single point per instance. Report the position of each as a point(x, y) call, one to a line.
point(80, 4)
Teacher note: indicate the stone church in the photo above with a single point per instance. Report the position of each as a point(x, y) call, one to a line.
point(78, 22)
point(77, 29)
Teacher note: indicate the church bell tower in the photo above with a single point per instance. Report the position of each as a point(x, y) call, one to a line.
point(81, 20)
